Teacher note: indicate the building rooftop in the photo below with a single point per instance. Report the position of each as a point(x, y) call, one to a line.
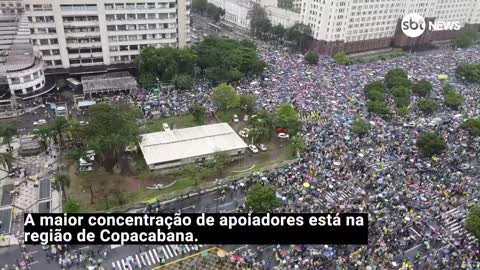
point(165, 146)
point(108, 81)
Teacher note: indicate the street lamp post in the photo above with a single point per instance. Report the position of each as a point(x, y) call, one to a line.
point(217, 182)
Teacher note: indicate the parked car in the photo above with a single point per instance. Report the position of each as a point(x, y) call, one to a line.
point(281, 130)
point(166, 127)
point(42, 121)
point(262, 147)
point(411, 124)
point(243, 134)
point(283, 135)
point(235, 118)
point(245, 117)
point(253, 148)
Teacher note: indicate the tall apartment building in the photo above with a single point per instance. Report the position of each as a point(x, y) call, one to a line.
point(11, 7)
point(358, 25)
point(83, 33)
point(21, 66)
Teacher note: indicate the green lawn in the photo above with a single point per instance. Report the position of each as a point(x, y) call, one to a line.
point(184, 121)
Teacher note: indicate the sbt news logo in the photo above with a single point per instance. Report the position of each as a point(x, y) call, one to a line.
point(414, 25)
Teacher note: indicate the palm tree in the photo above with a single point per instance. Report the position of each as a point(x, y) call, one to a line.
point(7, 132)
point(60, 126)
point(62, 181)
point(6, 160)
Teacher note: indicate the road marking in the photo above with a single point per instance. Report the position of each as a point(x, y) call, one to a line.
point(165, 252)
point(415, 231)
point(415, 247)
point(147, 258)
point(138, 260)
point(188, 207)
point(151, 256)
point(33, 262)
point(156, 255)
point(33, 252)
point(169, 252)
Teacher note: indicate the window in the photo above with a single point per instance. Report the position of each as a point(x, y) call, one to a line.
point(37, 86)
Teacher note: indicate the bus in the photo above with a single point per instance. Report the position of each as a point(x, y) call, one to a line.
point(73, 83)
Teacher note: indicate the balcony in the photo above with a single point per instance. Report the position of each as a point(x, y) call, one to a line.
point(80, 23)
point(88, 34)
point(84, 45)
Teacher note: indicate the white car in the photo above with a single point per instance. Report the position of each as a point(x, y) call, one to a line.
point(262, 147)
point(166, 127)
point(283, 135)
point(235, 118)
point(243, 134)
point(245, 117)
point(411, 124)
point(40, 122)
point(83, 123)
point(253, 148)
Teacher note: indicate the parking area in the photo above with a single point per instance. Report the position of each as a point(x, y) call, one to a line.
point(6, 220)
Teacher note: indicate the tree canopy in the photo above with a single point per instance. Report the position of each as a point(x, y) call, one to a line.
point(198, 113)
point(465, 39)
point(422, 88)
point(360, 127)
point(183, 81)
point(471, 73)
point(220, 57)
point(164, 64)
point(262, 199)
point(248, 103)
point(111, 128)
point(287, 117)
point(473, 126)
point(472, 224)
point(397, 78)
point(312, 58)
point(225, 97)
point(431, 144)
point(452, 98)
point(427, 106)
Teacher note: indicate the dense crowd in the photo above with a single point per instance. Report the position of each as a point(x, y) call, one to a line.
point(408, 197)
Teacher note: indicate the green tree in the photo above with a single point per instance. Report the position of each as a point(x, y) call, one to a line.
point(248, 103)
point(234, 75)
point(470, 73)
point(296, 146)
point(71, 206)
point(427, 106)
point(257, 16)
point(183, 81)
point(375, 95)
point(60, 126)
point(193, 172)
point(473, 126)
point(472, 224)
point(44, 133)
point(221, 160)
point(221, 58)
point(451, 98)
point(397, 78)
point(199, 6)
point(198, 113)
point(165, 63)
point(378, 107)
point(61, 182)
point(264, 123)
point(360, 126)
point(224, 97)
point(214, 12)
point(465, 39)
point(431, 144)
point(422, 88)
point(6, 160)
point(404, 111)
point(7, 132)
point(111, 128)
point(262, 199)
point(299, 36)
point(287, 117)
point(312, 58)
point(278, 32)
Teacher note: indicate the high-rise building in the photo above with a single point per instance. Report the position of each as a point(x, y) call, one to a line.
point(358, 25)
point(21, 65)
point(85, 33)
